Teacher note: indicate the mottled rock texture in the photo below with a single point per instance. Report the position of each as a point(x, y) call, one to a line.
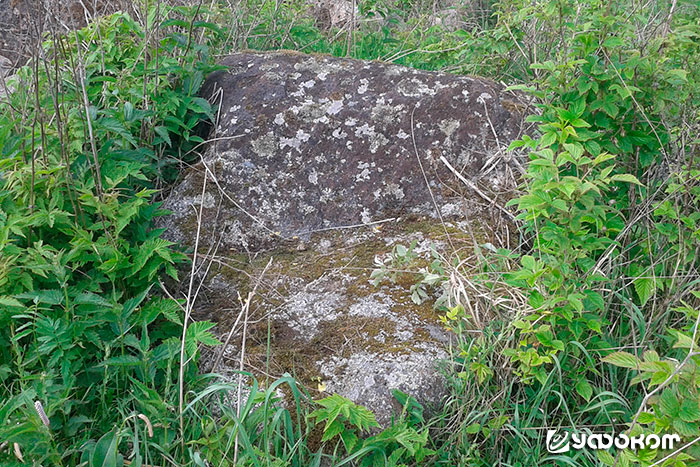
point(334, 13)
point(308, 154)
point(317, 316)
point(307, 143)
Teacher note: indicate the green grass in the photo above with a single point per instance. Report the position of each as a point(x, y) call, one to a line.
point(597, 306)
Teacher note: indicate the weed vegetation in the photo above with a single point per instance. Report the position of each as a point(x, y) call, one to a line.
point(587, 321)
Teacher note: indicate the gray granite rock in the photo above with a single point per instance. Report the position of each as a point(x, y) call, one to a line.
point(310, 157)
point(306, 143)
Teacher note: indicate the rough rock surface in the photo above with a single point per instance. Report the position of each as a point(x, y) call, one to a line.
point(307, 143)
point(22, 22)
point(334, 13)
point(328, 326)
point(310, 157)
point(456, 14)
point(5, 72)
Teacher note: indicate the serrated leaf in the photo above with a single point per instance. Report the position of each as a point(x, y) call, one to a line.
point(332, 430)
point(10, 302)
point(575, 149)
point(122, 360)
point(48, 297)
point(606, 458)
point(613, 42)
point(115, 126)
point(528, 262)
point(689, 411)
point(669, 404)
point(89, 298)
point(164, 134)
point(629, 178)
point(171, 313)
point(349, 439)
point(683, 341)
point(198, 333)
point(645, 288)
point(610, 108)
point(584, 389)
point(548, 139)
point(684, 428)
point(622, 359)
point(594, 300)
point(645, 418)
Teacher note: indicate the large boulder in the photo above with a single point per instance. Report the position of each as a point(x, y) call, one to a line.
point(325, 164)
point(309, 143)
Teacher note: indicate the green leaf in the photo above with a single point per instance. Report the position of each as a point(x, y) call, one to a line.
point(683, 341)
point(338, 406)
point(609, 108)
point(684, 428)
point(584, 389)
point(131, 304)
point(646, 417)
point(622, 359)
point(164, 134)
point(198, 333)
point(669, 404)
point(612, 42)
point(606, 458)
point(575, 149)
point(689, 411)
point(89, 298)
point(629, 178)
point(203, 106)
point(48, 297)
point(528, 262)
point(122, 360)
point(545, 336)
point(105, 453)
point(172, 312)
point(548, 139)
point(645, 288)
point(10, 302)
point(575, 301)
point(594, 300)
point(677, 77)
point(349, 438)
point(115, 126)
point(580, 123)
point(473, 428)
point(332, 430)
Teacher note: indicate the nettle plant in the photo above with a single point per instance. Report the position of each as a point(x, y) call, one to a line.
point(404, 442)
point(91, 128)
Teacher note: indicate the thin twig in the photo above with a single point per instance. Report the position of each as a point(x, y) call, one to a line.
point(188, 312)
point(220, 353)
point(246, 307)
point(427, 183)
point(478, 192)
